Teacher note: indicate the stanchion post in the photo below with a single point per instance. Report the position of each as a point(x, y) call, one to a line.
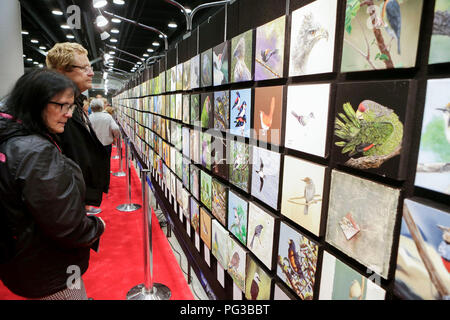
point(148, 290)
point(128, 207)
point(118, 149)
point(120, 173)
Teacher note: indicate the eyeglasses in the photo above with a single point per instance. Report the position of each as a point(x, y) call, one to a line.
point(86, 69)
point(65, 107)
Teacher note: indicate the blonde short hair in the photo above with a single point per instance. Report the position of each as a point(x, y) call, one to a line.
point(61, 56)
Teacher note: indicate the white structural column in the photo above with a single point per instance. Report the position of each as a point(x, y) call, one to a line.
point(11, 50)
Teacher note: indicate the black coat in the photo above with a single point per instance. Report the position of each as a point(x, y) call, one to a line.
point(42, 214)
point(83, 147)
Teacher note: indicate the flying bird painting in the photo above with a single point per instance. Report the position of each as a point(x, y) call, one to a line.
point(241, 57)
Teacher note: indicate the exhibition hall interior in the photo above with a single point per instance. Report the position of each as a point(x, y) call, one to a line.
point(268, 149)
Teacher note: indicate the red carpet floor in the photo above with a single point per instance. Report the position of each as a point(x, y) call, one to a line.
point(119, 264)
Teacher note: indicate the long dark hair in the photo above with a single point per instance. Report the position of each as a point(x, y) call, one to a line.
point(31, 94)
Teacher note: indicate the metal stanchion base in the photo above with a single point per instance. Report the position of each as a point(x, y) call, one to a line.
point(128, 207)
point(158, 292)
point(119, 174)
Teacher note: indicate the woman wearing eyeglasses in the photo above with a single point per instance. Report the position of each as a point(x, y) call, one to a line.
point(45, 234)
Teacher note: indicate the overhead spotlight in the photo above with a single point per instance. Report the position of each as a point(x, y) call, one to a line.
point(172, 25)
point(57, 12)
point(69, 36)
point(104, 35)
point(145, 55)
point(112, 52)
point(115, 20)
point(115, 30)
point(150, 50)
point(99, 3)
point(65, 26)
point(29, 59)
point(187, 10)
point(34, 41)
point(101, 21)
point(139, 63)
point(25, 32)
point(107, 56)
point(114, 40)
point(35, 62)
point(120, 2)
point(155, 44)
point(42, 48)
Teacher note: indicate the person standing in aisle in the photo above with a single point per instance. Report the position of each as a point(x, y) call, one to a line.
point(45, 234)
point(79, 141)
point(104, 126)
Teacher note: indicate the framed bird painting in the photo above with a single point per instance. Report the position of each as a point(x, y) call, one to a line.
point(186, 109)
point(258, 283)
point(219, 156)
point(206, 114)
point(313, 30)
point(440, 37)
point(205, 227)
point(261, 228)
point(266, 166)
point(433, 165)
point(195, 72)
point(179, 83)
point(268, 114)
point(307, 118)
point(269, 50)
point(185, 131)
point(219, 201)
point(186, 172)
point(221, 57)
point(373, 125)
point(423, 261)
point(303, 192)
point(195, 215)
point(194, 182)
point(187, 75)
point(237, 262)
point(240, 112)
point(205, 189)
point(179, 106)
point(195, 110)
point(219, 243)
point(381, 34)
point(221, 110)
point(194, 147)
point(341, 282)
point(185, 202)
point(237, 216)
point(205, 140)
point(297, 261)
point(242, 57)
point(173, 79)
point(359, 227)
point(180, 192)
point(239, 167)
point(206, 68)
point(172, 104)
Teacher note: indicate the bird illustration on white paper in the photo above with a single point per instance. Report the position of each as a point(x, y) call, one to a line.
point(310, 191)
point(254, 287)
point(266, 119)
point(236, 220)
point(234, 261)
point(303, 120)
point(261, 175)
point(256, 234)
point(241, 71)
point(446, 115)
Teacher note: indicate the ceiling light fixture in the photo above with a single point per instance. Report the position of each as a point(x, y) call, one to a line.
point(119, 2)
point(150, 50)
point(29, 59)
point(112, 52)
point(57, 12)
point(101, 21)
point(42, 48)
point(172, 25)
point(69, 36)
point(115, 30)
point(25, 32)
point(145, 55)
point(115, 20)
point(99, 3)
point(65, 26)
point(114, 40)
point(155, 44)
point(104, 35)
point(34, 41)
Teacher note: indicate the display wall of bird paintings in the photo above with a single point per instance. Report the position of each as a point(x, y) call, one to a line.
point(266, 176)
point(433, 166)
point(179, 192)
point(187, 75)
point(195, 72)
point(423, 261)
point(206, 68)
point(205, 227)
point(261, 227)
point(370, 125)
point(179, 106)
point(307, 118)
point(185, 202)
point(194, 181)
point(186, 173)
point(220, 63)
point(297, 261)
point(239, 168)
point(219, 201)
point(195, 215)
point(269, 50)
point(179, 83)
point(206, 117)
point(205, 189)
point(186, 141)
point(257, 282)
point(312, 38)
point(205, 140)
point(237, 216)
point(195, 146)
point(195, 110)
point(381, 34)
point(267, 121)
point(242, 57)
point(221, 110)
point(440, 37)
point(240, 112)
point(219, 243)
point(302, 196)
point(341, 282)
point(237, 262)
point(219, 157)
point(179, 164)
point(186, 109)
point(357, 222)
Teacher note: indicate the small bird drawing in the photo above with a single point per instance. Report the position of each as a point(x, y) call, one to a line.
point(391, 10)
point(241, 71)
point(220, 66)
point(234, 261)
point(237, 101)
point(446, 115)
point(267, 54)
point(236, 220)
point(254, 287)
point(261, 175)
point(266, 119)
point(294, 258)
point(310, 191)
point(256, 234)
point(241, 118)
point(355, 291)
point(309, 34)
point(303, 120)
point(206, 70)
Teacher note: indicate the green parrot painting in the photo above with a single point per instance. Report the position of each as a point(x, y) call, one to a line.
point(372, 131)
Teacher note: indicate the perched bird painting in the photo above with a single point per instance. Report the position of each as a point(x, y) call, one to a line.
point(220, 64)
point(234, 261)
point(261, 175)
point(372, 131)
point(310, 191)
point(446, 115)
point(303, 120)
point(241, 119)
point(266, 119)
point(444, 246)
point(294, 258)
point(392, 18)
point(254, 288)
point(241, 71)
point(206, 69)
point(256, 235)
point(267, 54)
point(236, 222)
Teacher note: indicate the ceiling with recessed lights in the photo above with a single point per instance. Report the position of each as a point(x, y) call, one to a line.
point(46, 22)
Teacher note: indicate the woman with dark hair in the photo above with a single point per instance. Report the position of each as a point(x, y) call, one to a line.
point(45, 234)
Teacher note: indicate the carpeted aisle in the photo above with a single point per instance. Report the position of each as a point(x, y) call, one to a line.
point(119, 264)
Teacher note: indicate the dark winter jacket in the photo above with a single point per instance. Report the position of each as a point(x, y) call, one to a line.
point(45, 232)
point(82, 146)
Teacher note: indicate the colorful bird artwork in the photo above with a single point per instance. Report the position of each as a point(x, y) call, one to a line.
point(266, 119)
point(303, 120)
point(256, 234)
point(444, 246)
point(234, 261)
point(310, 191)
point(254, 288)
point(241, 118)
point(261, 175)
point(267, 54)
point(446, 115)
point(237, 101)
point(241, 71)
point(294, 258)
point(393, 25)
